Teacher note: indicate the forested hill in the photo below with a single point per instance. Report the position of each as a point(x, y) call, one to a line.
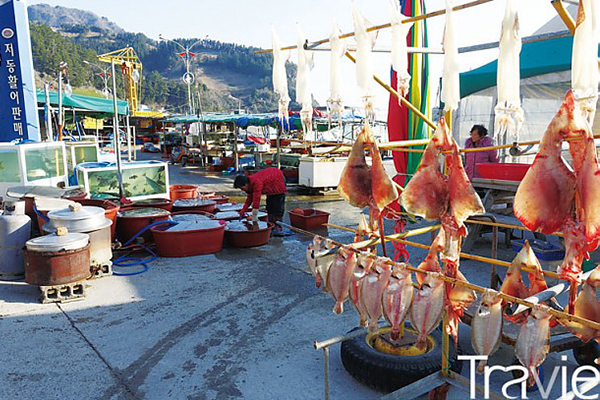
point(226, 74)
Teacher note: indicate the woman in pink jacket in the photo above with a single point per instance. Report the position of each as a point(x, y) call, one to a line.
point(479, 138)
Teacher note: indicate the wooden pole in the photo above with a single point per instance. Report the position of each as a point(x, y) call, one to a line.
point(402, 99)
point(477, 288)
point(378, 27)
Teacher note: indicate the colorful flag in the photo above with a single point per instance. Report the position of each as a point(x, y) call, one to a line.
point(402, 123)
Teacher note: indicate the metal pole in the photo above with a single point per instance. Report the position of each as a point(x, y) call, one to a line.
point(116, 129)
point(189, 82)
point(236, 133)
point(133, 137)
point(60, 110)
point(128, 133)
point(49, 134)
point(279, 146)
point(326, 370)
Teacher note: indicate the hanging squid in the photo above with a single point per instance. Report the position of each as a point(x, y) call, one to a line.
point(335, 103)
point(450, 78)
point(364, 73)
point(584, 62)
point(399, 49)
point(280, 85)
point(303, 92)
point(508, 111)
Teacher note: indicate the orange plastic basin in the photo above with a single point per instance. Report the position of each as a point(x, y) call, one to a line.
point(308, 218)
point(183, 192)
point(252, 238)
point(187, 243)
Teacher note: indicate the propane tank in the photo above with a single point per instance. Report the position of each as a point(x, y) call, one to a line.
point(15, 230)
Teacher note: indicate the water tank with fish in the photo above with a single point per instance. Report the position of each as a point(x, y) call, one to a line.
point(141, 180)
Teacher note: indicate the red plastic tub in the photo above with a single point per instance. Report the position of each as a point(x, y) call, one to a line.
point(219, 198)
point(206, 214)
point(165, 204)
point(110, 211)
point(503, 171)
point(252, 238)
point(308, 218)
point(183, 192)
point(188, 242)
point(206, 205)
point(132, 220)
point(233, 216)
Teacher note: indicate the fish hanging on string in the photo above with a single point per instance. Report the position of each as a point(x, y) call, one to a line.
point(364, 70)
point(508, 112)
point(450, 78)
point(280, 85)
point(533, 341)
point(584, 61)
point(399, 49)
point(303, 87)
point(397, 299)
point(335, 102)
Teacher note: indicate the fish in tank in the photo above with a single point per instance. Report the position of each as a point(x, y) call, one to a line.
point(151, 181)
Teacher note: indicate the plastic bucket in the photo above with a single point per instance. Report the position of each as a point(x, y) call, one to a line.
point(187, 243)
point(208, 206)
point(255, 238)
point(183, 192)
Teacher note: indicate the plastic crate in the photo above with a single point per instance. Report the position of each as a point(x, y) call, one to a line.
point(544, 251)
point(308, 218)
point(503, 171)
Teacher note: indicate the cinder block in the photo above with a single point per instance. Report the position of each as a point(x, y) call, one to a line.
point(63, 293)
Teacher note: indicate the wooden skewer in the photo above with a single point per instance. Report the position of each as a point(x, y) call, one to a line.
point(477, 288)
point(378, 27)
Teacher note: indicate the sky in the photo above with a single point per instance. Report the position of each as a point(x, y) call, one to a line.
point(248, 22)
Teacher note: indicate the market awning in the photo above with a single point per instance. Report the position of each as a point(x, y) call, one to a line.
point(87, 103)
point(241, 120)
point(537, 58)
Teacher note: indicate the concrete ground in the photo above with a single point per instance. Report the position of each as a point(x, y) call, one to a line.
point(238, 324)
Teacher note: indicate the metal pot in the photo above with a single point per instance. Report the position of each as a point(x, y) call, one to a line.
point(78, 218)
point(100, 243)
point(57, 259)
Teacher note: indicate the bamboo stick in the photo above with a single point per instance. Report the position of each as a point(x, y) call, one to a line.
point(477, 288)
point(383, 26)
point(401, 98)
point(375, 241)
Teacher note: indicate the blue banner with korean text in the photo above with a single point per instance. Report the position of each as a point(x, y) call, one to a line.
point(18, 101)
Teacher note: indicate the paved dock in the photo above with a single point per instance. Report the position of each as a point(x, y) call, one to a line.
point(238, 324)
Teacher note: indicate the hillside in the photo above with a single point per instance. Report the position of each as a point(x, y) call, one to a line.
point(226, 74)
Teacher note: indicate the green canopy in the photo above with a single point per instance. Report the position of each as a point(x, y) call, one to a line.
point(537, 58)
point(241, 120)
point(87, 103)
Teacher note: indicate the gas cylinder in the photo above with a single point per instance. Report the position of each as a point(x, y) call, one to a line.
point(15, 231)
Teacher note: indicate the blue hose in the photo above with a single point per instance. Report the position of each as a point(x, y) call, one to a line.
point(124, 261)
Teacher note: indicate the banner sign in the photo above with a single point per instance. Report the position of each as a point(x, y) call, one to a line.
point(18, 100)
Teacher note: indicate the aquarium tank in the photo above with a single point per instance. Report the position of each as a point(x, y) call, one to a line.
point(9, 166)
point(43, 163)
point(144, 181)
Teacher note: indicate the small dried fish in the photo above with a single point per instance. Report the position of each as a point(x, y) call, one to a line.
point(486, 328)
point(339, 277)
point(427, 308)
point(533, 341)
point(397, 298)
point(371, 291)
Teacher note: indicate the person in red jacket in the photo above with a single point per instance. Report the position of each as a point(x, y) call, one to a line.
point(269, 181)
point(479, 138)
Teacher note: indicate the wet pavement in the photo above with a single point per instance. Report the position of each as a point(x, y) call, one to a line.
point(239, 324)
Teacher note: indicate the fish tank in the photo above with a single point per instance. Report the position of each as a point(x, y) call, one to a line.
point(32, 164)
point(141, 180)
point(80, 152)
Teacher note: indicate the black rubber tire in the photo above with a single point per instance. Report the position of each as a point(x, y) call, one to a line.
point(587, 353)
point(388, 373)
